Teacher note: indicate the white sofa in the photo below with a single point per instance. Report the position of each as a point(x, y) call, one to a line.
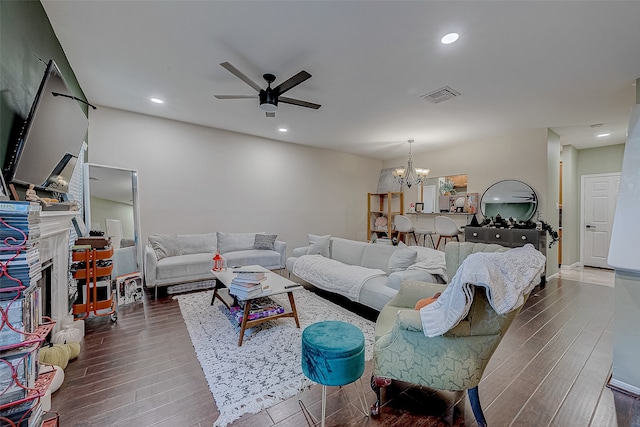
point(172, 259)
point(367, 273)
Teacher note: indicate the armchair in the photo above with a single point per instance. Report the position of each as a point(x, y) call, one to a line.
point(453, 361)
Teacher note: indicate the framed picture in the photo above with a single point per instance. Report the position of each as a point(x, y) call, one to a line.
point(4, 191)
point(419, 207)
point(129, 288)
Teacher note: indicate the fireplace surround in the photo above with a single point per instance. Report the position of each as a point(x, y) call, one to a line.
point(53, 246)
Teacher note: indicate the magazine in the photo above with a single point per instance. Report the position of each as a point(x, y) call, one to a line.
point(260, 307)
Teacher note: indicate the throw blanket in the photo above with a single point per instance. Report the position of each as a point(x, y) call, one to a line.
point(507, 276)
point(431, 261)
point(334, 276)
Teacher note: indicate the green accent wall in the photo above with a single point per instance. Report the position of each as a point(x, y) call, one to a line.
point(25, 36)
point(607, 159)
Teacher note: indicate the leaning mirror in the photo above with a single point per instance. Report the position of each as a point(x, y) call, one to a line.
point(509, 199)
point(111, 206)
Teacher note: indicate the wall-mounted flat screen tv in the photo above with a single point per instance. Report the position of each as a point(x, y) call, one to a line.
point(48, 147)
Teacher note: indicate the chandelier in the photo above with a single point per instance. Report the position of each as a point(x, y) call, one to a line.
point(409, 176)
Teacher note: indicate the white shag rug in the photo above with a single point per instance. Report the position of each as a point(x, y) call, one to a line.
point(266, 369)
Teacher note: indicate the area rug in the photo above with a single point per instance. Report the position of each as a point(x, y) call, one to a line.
point(267, 368)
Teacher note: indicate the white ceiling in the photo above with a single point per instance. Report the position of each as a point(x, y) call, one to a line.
point(518, 65)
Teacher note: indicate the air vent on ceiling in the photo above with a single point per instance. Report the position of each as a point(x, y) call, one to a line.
point(441, 95)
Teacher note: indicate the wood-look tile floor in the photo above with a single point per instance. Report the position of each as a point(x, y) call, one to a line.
point(551, 369)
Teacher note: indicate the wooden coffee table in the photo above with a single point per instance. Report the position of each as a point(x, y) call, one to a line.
point(276, 285)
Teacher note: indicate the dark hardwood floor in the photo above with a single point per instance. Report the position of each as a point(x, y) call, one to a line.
point(551, 369)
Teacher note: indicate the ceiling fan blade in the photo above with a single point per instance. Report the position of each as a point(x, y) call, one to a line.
point(233, 70)
point(293, 81)
point(235, 96)
point(298, 102)
point(270, 113)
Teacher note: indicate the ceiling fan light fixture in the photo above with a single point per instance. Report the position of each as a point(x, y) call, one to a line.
point(269, 108)
point(268, 102)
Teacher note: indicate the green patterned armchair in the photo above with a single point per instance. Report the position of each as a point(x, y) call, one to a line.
point(453, 361)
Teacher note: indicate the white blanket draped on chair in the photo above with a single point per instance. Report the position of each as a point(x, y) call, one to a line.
point(334, 276)
point(507, 276)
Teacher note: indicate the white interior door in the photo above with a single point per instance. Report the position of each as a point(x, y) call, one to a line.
point(599, 196)
point(114, 230)
point(429, 198)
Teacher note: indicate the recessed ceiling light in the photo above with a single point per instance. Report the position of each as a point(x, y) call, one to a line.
point(603, 134)
point(157, 100)
point(283, 130)
point(449, 38)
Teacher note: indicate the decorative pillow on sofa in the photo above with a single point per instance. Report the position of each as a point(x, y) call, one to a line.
point(165, 245)
point(264, 241)
point(318, 245)
point(230, 242)
point(426, 301)
point(402, 258)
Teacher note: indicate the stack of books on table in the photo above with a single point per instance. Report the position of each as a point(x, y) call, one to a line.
point(260, 307)
point(247, 284)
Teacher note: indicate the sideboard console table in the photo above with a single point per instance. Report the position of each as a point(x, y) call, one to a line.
point(509, 237)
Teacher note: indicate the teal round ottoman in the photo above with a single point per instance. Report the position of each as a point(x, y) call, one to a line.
point(332, 355)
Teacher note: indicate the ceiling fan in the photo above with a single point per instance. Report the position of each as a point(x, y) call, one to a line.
point(270, 97)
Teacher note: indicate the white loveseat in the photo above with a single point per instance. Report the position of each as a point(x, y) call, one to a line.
point(367, 273)
point(172, 259)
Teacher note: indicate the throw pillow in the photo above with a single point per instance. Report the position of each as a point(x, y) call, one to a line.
point(401, 258)
point(426, 301)
point(265, 241)
point(231, 242)
point(165, 245)
point(318, 245)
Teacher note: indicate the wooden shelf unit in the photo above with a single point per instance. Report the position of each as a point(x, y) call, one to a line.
point(383, 204)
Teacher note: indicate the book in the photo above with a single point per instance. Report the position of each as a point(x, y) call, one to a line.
point(244, 293)
point(251, 275)
point(247, 283)
point(260, 307)
point(16, 206)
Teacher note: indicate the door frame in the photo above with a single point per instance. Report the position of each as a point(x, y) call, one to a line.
point(583, 179)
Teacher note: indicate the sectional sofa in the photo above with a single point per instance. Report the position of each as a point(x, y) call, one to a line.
point(367, 273)
point(172, 259)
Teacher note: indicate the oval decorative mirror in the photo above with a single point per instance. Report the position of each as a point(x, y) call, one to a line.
point(509, 199)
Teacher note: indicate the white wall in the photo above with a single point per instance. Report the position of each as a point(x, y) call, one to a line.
point(570, 206)
point(196, 179)
point(523, 156)
point(102, 209)
point(552, 212)
point(575, 164)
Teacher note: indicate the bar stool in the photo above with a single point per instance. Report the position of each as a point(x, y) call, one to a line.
point(332, 355)
point(447, 229)
point(403, 225)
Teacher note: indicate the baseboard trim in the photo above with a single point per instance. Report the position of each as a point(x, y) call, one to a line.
point(571, 267)
point(623, 387)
